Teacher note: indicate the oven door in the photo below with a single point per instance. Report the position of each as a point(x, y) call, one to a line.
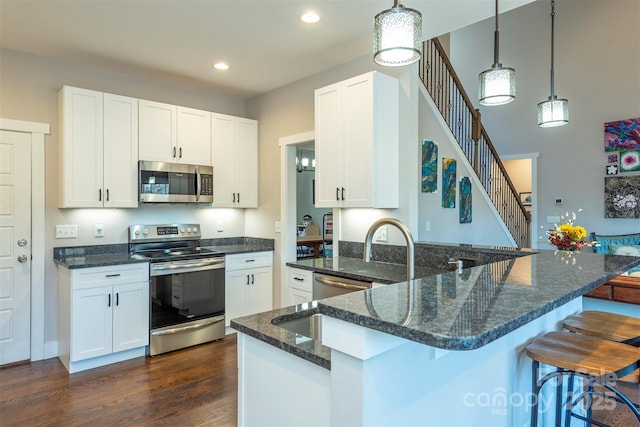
point(187, 303)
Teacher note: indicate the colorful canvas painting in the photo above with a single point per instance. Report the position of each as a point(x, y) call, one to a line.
point(465, 200)
point(630, 161)
point(622, 135)
point(429, 166)
point(622, 197)
point(611, 169)
point(612, 158)
point(448, 183)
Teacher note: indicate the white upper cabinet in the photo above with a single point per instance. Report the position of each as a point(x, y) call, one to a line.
point(169, 133)
point(98, 149)
point(234, 153)
point(357, 142)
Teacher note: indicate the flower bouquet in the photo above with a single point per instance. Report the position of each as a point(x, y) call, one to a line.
point(567, 236)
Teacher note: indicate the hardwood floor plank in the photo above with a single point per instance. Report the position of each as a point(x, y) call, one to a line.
point(196, 386)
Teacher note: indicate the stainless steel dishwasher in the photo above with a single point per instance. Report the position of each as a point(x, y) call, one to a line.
point(325, 286)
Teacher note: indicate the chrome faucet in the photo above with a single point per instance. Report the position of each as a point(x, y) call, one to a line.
point(407, 237)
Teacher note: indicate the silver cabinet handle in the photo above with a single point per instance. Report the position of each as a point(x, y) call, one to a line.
point(23, 258)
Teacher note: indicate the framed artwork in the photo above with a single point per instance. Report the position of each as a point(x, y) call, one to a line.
point(630, 161)
point(429, 167)
point(622, 197)
point(448, 183)
point(611, 169)
point(465, 200)
point(612, 158)
point(622, 135)
point(525, 198)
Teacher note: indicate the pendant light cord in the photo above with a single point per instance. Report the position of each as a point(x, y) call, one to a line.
point(496, 39)
point(553, 14)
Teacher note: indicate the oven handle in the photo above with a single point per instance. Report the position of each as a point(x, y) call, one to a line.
point(187, 328)
point(160, 269)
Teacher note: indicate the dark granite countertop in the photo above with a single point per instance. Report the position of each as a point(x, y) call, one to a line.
point(468, 310)
point(357, 269)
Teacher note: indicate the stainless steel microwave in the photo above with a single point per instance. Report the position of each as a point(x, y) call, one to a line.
point(163, 182)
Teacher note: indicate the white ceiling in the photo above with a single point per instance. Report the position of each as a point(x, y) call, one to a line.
point(178, 40)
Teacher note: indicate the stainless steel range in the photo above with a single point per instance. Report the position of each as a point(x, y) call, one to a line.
point(186, 285)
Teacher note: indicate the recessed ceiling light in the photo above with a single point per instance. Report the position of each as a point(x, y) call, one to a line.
point(310, 17)
point(221, 66)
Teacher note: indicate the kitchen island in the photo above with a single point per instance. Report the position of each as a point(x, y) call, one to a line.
point(443, 350)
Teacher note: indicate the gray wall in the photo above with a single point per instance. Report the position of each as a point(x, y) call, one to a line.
point(597, 68)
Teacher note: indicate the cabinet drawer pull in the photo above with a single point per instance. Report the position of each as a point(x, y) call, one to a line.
point(238, 197)
point(342, 193)
point(337, 194)
point(247, 279)
point(117, 298)
point(100, 194)
point(107, 195)
point(112, 275)
point(299, 279)
point(109, 301)
point(174, 152)
point(180, 156)
point(249, 260)
point(252, 279)
point(234, 197)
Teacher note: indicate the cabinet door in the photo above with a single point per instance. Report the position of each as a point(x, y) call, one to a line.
point(247, 154)
point(130, 316)
point(194, 136)
point(260, 290)
point(296, 296)
point(91, 323)
point(224, 159)
point(235, 291)
point(157, 131)
point(357, 137)
point(81, 136)
point(328, 122)
point(120, 152)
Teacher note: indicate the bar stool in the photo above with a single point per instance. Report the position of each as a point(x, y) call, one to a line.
point(595, 360)
point(608, 326)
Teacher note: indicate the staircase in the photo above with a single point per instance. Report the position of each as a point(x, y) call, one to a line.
point(444, 86)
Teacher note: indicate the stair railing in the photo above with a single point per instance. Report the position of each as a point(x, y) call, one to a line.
point(464, 121)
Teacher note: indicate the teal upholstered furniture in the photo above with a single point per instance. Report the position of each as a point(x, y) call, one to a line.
point(625, 288)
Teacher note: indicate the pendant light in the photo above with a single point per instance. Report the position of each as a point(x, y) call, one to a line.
point(553, 112)
point(497, 85)
point(397, 36)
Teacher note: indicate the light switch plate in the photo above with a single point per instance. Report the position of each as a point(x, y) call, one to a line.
point(99, 230)
point(553, 219)
point(67, 231)
point(381, 235)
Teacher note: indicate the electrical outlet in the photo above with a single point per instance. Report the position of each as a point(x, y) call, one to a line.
point(278, 227)
point(427, 225)
point(99, 230)
point(67, 231)
point(553, 219)
point(381, 235)
point(220, 227)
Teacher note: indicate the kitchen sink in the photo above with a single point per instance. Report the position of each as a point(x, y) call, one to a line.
point(309, 326)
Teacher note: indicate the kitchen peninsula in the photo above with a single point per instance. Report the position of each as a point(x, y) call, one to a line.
point(444, 350)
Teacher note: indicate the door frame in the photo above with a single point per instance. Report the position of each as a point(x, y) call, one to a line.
point(534, 191)
point(288, 204)
point(37, 131)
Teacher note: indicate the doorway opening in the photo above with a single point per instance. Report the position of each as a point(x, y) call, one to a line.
point(522, 170)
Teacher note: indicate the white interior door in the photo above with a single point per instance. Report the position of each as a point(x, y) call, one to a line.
point(15, 246)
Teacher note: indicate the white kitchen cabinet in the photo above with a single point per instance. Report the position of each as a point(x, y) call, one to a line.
point(299, 286)
point(169, 133)
point(103, 315)
point(248, 284)
point(98, 150)
point(234, 153)
point(357, 142)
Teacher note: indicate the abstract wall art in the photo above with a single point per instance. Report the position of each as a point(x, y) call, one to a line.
point(622, 135)
point(465, 200)
point(448, 183)
point(622, 197)
point(630, 161)
point(429, 166)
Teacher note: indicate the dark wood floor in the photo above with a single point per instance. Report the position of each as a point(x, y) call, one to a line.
point(190, 387)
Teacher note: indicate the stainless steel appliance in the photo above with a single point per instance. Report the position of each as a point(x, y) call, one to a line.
point(325, 286)
point(186, 285)
point(163, 182)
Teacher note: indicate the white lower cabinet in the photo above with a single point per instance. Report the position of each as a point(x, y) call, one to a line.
point(248, 284)
point(103, 314)
point(299, 286)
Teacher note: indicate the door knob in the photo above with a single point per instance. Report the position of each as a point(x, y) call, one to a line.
point(23, 258)
point(22, 242)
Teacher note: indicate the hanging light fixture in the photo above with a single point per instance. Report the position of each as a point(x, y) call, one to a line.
point(497, 85)
point(553, 112)
point(397, 36)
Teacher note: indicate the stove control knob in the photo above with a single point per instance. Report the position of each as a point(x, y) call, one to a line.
point(182, 230)
point(195, 229)
point(137, 232)
point(145, 231)
point(188, 229)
